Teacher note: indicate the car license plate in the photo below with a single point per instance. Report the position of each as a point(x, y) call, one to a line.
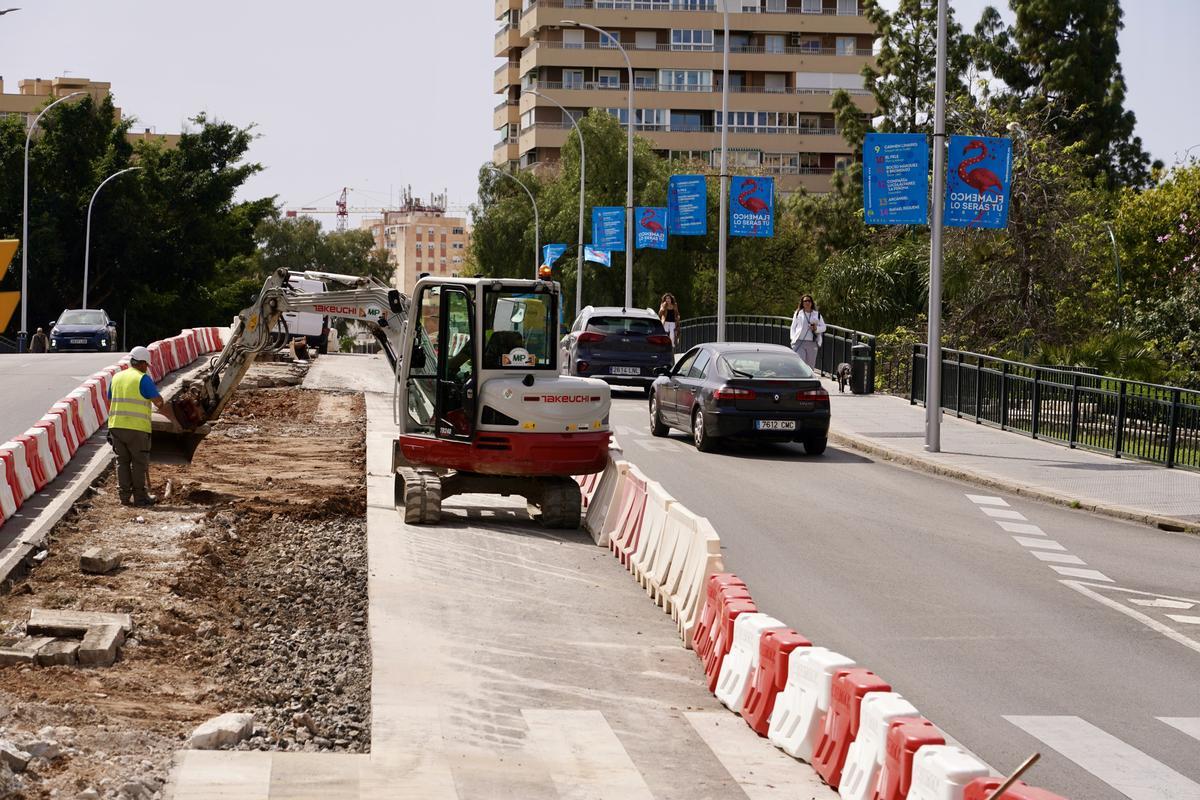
point(775, 424)
point(625, 370)
point(79, 341)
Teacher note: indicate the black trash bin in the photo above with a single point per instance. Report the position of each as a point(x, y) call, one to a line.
point(862, 369)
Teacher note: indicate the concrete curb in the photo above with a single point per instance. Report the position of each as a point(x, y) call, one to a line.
point(931, 465)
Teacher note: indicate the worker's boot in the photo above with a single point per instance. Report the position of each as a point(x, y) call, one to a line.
point(148, 500)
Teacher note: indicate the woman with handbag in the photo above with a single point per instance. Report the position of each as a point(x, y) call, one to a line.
point(807, 327)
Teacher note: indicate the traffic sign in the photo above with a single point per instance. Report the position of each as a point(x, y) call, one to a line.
point(8, 300)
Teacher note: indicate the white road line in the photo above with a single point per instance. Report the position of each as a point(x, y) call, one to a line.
point(763, 772)
point(583, 756)
point(1020, 527)
point(1001, 513)
point(1184, 618)
point(1189, 725)
point(1060, 558)
point(1086, 574)
point(1149, 622)
point(1159, 602)
point(1126, 769)
point(986, 500)
point(1045, 544)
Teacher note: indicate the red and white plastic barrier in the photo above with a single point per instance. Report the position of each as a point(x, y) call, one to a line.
point(800, 709)
point(742, 661)
point(864, 760)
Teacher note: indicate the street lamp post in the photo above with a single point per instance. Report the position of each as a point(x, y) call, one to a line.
point(1112, 237)
point(537, 226)
point(629, 151)
point(723, 236)
point(933, 360)
point(87, 242)
point(582, 198)
point(24, 332)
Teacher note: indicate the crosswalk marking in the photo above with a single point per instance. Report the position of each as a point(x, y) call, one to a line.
point(763, 772)
point(1061, 558)
point(1020, 527)
point(986, 500)
point(1083, 574)
point(1149, 622)
point(1002, 513)
point(1189, 725)
point(1124, 768)
point(1045, 544)
point(1184, 618)
point(1161, 602)
point(583, 756)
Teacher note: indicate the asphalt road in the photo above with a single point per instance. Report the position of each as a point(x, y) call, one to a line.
point(1007, 651)
point(31, 383)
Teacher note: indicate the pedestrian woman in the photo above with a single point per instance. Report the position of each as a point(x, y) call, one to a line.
point(668, 314)
point(807, 327)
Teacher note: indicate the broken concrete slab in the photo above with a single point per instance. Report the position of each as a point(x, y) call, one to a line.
point(99, 561)
point(99, 646)
point(23, 651)
point(59, 652)
point(11, 655)
point(73, 623)
point(223, 731)
point(16, 758)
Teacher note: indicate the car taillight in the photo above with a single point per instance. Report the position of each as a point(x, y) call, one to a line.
point(728, 394)
point(664, 341)
point(818, 397)
point(584, 338)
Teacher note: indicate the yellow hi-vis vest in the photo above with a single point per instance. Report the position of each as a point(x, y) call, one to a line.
point(128, 408)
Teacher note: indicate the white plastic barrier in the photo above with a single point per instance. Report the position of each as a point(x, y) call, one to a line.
point(602, 500)
point(58, 437)
point(658, 504)
point(741, 662)
point(796, 720)
point(99, 399)
point(86, 412)
point(633, 506)
point(44, 456)
point(18, 463)
point(942, 772)
point(703, 558)
point(868, 751)
point(74, 425)
point(624, 496)
point(8, 503)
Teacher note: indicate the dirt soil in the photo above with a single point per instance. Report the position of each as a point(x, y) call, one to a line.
point(248, 589)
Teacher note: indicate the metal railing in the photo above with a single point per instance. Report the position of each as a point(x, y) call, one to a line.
point(603, 86)
point(835, 346)
point(1072, 407)
point(7, 345)
point(699, 129)
point(665, 5)
point(691, 48)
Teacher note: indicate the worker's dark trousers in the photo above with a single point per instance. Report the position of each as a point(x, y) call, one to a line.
point(133, 462)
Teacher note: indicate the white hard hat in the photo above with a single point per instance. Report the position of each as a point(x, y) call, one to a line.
point(139, 354)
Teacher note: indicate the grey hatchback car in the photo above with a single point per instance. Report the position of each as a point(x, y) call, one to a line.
point(620, 346)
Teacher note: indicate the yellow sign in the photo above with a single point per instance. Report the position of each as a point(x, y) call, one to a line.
point(8, 249)
point(8, 300)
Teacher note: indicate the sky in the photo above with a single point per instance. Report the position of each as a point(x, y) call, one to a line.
point(376, 95)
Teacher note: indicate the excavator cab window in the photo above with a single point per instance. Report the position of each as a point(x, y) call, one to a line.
point(456, 366)
point(421, 385)
point(520, 329)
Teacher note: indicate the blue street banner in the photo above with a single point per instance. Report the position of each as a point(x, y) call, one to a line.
point(651, 230)
point(978, 180)
point(608, 228)
point(896, 179)
point(552, 253)
point(752, 207)
point(687, 204)
point(601, 257)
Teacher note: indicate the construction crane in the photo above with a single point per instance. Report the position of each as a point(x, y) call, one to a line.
point(342, 208)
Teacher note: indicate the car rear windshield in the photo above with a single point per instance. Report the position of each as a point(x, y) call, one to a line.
point(82, 318)
point(763, 365)
point(625, 326)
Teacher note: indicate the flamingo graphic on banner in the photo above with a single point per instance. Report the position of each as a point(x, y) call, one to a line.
point(978, 182)
point(753, 207)
point(651, 227)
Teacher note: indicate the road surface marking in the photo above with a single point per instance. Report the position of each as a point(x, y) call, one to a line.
point(1126, 769)
point(1149, 622)
point(1060, 558)
point(1189, 725)
point(1045, 544)
point(761, 770)
point(1184, 618)
point(985, 500)
point(1159, 602)
point(1075, 572)
point(1002, 513)
point(1020, 527)
point(583, 755)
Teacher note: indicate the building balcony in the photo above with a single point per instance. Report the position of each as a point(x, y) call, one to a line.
point(705, 137)
point(741, 98)
point(752, 59)
point(507, 39)
point(502, 7)
point(506, 75)
point(651, 14)
point(504, 152)
point(505, 113)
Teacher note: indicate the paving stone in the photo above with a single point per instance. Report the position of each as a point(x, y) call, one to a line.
point(99, 561)
point(62, 652)
point(73, 623)
point(223, 731)
point(99, 646)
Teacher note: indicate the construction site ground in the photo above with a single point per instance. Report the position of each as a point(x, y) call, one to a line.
point(247, 586)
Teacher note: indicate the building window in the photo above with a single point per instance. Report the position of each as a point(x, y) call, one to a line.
point(846, 45)
point(810, 7)
point(691, 39)
point(572, 79)
point(610, 39)
point(761, 121)
point(775, 43)
point(457, 231)
point(646, 40)
point(646, 119)
point(847, 7)
point(572, 39)
point(644, 79)
point(608, 79)
point(693, 5)
point(739, 159)
point(685, 80)
point(685, 120)
point(781, 163)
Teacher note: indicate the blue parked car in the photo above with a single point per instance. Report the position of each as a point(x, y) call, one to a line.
point(83, 329)
point(622, 347)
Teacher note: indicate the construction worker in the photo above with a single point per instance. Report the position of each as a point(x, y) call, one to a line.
point(130, 397)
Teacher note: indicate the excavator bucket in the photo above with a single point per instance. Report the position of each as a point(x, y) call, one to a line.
point(174, 441)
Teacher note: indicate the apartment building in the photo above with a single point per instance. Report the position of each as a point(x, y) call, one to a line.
point(33, 93)
point(787, 57)
point(421, 238)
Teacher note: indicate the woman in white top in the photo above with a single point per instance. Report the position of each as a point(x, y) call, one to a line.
point(668, 314)
point(807, 327)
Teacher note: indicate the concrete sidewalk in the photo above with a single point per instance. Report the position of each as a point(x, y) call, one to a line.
point(511, 662)
point(890, 427)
